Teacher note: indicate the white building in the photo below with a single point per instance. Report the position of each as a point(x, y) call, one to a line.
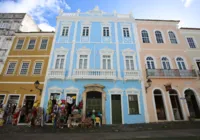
point(9, 24)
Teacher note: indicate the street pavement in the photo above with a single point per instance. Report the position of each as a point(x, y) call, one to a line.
point(187, 134)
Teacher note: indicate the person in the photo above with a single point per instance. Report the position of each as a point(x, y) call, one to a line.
point(55, 115)
point(62, 119)
point(93, 116)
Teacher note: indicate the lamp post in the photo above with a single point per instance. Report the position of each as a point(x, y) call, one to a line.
point(149, 84)
point(37, 84)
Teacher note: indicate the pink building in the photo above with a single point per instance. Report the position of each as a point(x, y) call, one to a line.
point(172, 90)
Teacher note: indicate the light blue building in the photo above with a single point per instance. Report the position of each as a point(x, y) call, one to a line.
point(95, 58)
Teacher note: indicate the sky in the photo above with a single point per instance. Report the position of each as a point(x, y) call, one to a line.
point(44, 12)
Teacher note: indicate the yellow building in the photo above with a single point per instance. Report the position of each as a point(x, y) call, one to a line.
point(25, 66)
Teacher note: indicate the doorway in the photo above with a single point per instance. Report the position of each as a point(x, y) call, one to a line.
point(116, 109)
point(159, 104)
point(176, 108)
point(93, 102)
point(192, 104)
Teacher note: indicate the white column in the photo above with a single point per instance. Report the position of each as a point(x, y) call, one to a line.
point(72, 51)
point(117, 52)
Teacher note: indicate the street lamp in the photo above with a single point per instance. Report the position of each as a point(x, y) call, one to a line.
point(37, 84)
point(149, 84)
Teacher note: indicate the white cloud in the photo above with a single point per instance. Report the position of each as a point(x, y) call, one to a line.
point(46, 27)
point(38, 9)
point(187, 2)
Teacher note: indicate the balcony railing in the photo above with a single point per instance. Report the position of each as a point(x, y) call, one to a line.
point(172, 73)
point(94, 74)
point(56, 74)
point(131, 75)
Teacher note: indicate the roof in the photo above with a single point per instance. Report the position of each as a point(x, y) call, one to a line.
point(187, 28)
point(158, 20)
point(34, 32)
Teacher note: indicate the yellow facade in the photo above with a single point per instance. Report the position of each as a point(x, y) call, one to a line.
point(27, 63)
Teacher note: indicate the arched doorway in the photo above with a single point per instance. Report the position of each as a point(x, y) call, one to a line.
point(176, 107)
point(159, 105)
point(192, 104)
point(94, 99)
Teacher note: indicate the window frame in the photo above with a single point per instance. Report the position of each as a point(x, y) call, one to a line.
point(38, 61)
point(169, 60)
point(60, 62)
point(11, 61)
point(85, 26)
point(72, 90)
point(106, 31)
point(24, 61)
point(60, 51)
point(4, 98)
point(111, 62)
point(196, 44)
point(83, 51)
point(173, 38)
point(185, 62)
point(13, 95)
point(147, 34)
point(18, 41)
point(32, 38)
point(61, 33)
point(47, 38)
point(154, 60)
point(162, 34)
point(123, 27)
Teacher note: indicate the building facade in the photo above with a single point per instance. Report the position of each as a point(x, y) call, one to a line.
point(95, 58)
point(26, 63)
point(9, 24)
point(172, 90)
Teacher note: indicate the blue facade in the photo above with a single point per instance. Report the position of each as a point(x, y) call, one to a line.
point(118, 74)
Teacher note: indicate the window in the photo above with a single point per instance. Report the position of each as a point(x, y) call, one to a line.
point(191, 42)
point(20, 44)
point(106, 31)
point(85, 31)
point(133, 104)
point(159, 104)
point(31, 44)
point(172, 37)
point(65, 31)
point(150, 63)
point(126, 32)
point(55, 96)
point(159, 37)
point(13, 100)
point(60, 62)
point(2, 99)
point(38, 67)
point(145, 36)
point(106, 62)
point(73, 96)
point(129, 62)
point(83, 62)
point(43, 45)
point(24, 68)
point(165, 63)
point(11, 68)
point(181, 64)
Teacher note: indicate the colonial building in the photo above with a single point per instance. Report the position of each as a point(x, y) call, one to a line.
point(23, 75)
point(95, 58)
point(172, 87)
point(9, 24)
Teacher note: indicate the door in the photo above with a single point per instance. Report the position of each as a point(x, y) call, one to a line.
point(116, 109)
point(198, 64)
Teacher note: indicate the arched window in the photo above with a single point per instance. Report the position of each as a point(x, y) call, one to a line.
point(172, 37)
point(160, 109)
point(181, 64)
point(150, 63)
point(145, 36)
point(159, 37)
point(165, 63)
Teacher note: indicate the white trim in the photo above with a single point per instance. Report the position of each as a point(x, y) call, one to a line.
point(54, 90)
point(72, 90)
point(41, 71)
point(106, 51)
point(164, 103)
point(154, 59)
point(43, 37)
point(65, 25)
point(129, 29)
point(4, 97)
point(178, 41)
point(129, 52)
point(104, 24)
point(150, 40)
point(163, 37)
point(60, 51)
point(116, 91)
point(11, 61)
point(133, 91)
point(24, 61)
point(18, 38)
point(83, 51)
point(29, 56)
point(85, 24)
point(31, 38)
point(184, 60)
point(195, 42)
point(169, 60)
point(13, 95)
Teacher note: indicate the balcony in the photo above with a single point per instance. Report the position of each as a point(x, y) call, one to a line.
point(56, 74)
point(172, 73)
point(94, 74)
point(131, 75)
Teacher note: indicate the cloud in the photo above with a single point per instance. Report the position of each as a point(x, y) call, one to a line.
point(38, 9)
point(187, 2)
point(46, 27)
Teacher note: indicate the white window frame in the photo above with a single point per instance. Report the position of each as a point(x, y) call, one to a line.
point(32, 38)
point(169, 60)
point(186, 65)
point(72, 90)
point(86, 26)
point(41, 71)
point(66, 34)
point(60, 51)
point(154, 60)
point(107, 32)
point(83, 51)
point(18, 41)
point(11, 61)
point(106, 51)
point(128, 31)
point(47, 38)
point(195, 42)
point(25, 61)
point(148, 36)
point(55, 90)
point(175, 36)
point(163, 37)
point(3, 98)
point(129, 52)
point(133, 91)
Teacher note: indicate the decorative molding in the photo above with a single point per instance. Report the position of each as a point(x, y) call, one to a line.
point(128, 51)
point(115, 91)
point(84, 51)
point(106, 51)
point(61, 50)
point(71, 90)
point(55, 89)
point(132, 91)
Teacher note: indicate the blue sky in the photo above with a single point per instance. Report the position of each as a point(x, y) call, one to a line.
point(44, 11)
